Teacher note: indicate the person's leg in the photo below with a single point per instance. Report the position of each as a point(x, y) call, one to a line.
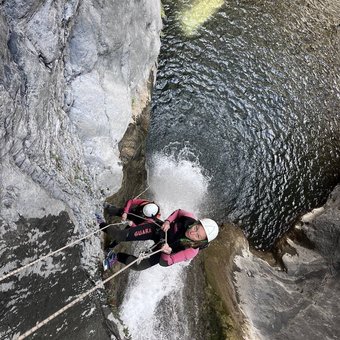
point(138, 233)
point(135, 219)
point(103, 225)
point(144, 264)
point(143, 232)
point(113, 210)
point(117, 234)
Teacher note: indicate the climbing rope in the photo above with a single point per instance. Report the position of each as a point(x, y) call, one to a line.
point(144, 218)
point(147, 188)
point(54, 252)
point(100, 284)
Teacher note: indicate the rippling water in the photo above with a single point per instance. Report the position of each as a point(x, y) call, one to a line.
point(254, 94)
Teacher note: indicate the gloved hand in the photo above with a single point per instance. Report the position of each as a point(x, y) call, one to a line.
point(165, 226)
point(166, 249)
point(124, 217)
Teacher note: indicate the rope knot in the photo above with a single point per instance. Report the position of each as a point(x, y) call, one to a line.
point(141, 257)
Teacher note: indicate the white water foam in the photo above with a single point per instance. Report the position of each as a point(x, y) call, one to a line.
point(177, 183)
point(152, 307)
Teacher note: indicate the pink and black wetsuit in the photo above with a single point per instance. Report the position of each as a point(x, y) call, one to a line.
point(180, 220)
point(133, 207)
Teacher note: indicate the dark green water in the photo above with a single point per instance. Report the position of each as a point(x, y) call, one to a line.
point(254, 94)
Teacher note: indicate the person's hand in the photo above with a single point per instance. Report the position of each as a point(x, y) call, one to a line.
point(166, 249)
point(124, 217)
point(165, 226)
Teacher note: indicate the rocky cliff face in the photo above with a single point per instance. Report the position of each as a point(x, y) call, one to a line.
point(73, 75)
point(303, 301)
point(294, 298)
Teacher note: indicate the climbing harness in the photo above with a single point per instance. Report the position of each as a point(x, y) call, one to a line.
point(54, 252)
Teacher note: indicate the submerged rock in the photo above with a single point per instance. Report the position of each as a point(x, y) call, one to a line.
point(197, 14)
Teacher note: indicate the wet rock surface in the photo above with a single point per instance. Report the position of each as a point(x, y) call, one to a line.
point(301, 301)
point(69, 73)
point(227, 320)
point(38, 291)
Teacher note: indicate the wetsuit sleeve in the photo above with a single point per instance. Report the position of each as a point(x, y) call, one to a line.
point(183, 255)
point(180, 213)
point(132, 202)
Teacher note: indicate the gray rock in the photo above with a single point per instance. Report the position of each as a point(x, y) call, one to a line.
point(69, 71)
point(304, 301)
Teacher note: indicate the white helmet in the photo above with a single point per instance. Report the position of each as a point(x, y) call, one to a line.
point(150, 210)
point(210, 227)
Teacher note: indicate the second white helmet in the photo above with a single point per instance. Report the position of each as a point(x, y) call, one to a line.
point(150, 210)
point(210, 227)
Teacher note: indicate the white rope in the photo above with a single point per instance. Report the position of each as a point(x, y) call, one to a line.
point(54, 252)
point(80, 297)
point(146, 219)
point(147, 188)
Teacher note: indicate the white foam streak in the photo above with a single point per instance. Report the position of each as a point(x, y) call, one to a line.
point(177, 184)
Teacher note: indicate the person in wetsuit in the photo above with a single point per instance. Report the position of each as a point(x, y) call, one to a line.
point(136, 211)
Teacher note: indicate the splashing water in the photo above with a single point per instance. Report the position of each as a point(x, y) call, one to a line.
point(153, 305)
point(177, 182)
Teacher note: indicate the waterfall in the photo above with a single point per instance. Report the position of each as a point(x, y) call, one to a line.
point(153, 307)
